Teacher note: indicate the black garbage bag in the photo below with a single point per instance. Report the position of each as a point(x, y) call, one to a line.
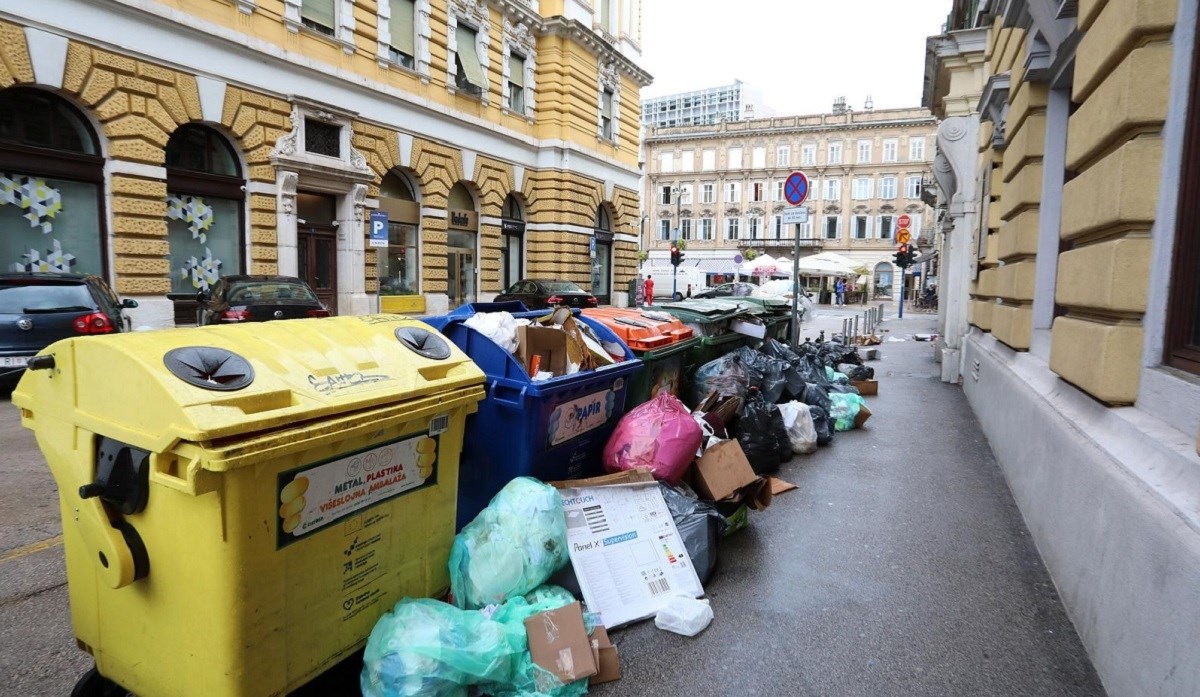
point(766, 373)
point(727, 376)
point(700, 525)
point(763, 435)
point(815, 395)
point(823, 423)
point(861, 372)
point(793, 381)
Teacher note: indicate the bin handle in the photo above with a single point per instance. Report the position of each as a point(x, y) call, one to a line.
point(495, 395)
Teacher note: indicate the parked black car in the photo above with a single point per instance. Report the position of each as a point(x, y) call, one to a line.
point(727, 290)
point(38, 309)
point(257, 299)
point(538, 294)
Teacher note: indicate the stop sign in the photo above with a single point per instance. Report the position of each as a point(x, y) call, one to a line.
point(904, 220)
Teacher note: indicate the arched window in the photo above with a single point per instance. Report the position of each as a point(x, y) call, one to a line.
point(205, 213)
point(400, 266)
point(51, 186)
point(603, 221)
point(601, 254)
point(512, 231)
point(883, 280)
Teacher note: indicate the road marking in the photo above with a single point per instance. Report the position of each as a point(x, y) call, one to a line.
point(34, 548)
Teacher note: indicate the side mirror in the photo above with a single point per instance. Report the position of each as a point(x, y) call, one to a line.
point(129, 304)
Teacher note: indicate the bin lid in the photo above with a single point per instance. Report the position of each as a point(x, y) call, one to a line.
point(700, 310)
point(770, 303)
point(739, 306)
point(642, 330)
point(151, 389)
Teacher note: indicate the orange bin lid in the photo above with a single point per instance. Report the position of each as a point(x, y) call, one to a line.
point(639, 331)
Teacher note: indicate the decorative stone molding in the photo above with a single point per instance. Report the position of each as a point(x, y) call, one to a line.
point(944, 173)
point(246, 6)
point(358, 196)
point(289, 151)
point(286, 193)
point(520, 38)
point(733, 212)
point(475, 13)
point(957, 156)
point(608, 78)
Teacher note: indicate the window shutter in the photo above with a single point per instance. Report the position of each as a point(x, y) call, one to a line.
point(318, 12)
point(402, 27)
point(468, 57)
point(516, 70)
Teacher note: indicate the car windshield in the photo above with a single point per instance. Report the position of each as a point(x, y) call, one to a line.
point(268, 291)
point(561, 287)
point(22, 297)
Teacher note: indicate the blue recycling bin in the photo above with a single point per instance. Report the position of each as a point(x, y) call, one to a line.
point(549, 429)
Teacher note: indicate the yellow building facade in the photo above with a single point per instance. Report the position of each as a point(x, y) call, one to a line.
point(1068, 166)
point(163, 145)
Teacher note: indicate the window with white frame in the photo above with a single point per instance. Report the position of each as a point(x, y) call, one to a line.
point(887, 226)
point(685, 195)
point(891, 149)
point(833, 190)
point(469, 73)
point(706, 228)
point(783, 156)
point(758, 158)
point(806, 229)
point(732, 226)
point(862, 188)
point(862, 227)
point(516, 83)
point(708, 160)
point(864, 152)
point(687, 162)
point(814, 189)
point(833, 227)
point(916, 224)
point(664, 195)
point(685, 229)
point(606, 113)
point(733, 192)
point(666, 162)
point(916, 148)
point(887, 188)
point(777, 226)
point(758, 191)
point(706, 193)
point(835, 154)
point(735, 158)
point(808, 155)
point(664, 230)
point(755, 227)
point(912, 187)
point(778, 191)
point(319, 15)
point(401, 42)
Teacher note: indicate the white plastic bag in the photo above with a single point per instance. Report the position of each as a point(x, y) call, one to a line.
point(802, 433)
point(500, 327)
point(686, 616)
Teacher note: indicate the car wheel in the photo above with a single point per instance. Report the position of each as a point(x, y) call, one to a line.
point(678, 296)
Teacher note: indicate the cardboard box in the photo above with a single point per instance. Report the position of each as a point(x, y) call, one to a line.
point(758, 494)
point(633, 476)
point(723, 471)
point(558, 642)
point(547, 342)
point(866, 388)
point(863, 414)
point(626, 551)
point(608, 666)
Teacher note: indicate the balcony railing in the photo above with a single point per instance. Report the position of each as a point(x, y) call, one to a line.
point(790, 242)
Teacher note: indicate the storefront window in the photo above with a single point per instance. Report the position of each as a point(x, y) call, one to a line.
point(512, 229)
point(398, 268)
point(883, 280)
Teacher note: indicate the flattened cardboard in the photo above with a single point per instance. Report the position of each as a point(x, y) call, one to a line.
point(547, 342)
point(778, 486)
point(608, 665)
point(722, 471)
point(633, 476)
point(866, 388)
point(558, 642)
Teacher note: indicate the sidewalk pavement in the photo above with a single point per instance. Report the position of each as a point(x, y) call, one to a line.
point(901, 566)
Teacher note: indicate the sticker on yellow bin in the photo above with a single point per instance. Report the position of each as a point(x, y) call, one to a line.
point(314, 496)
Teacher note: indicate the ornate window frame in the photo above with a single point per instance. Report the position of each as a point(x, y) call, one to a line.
point(421, 9)
point(519, 38)
point(476, 14)
point(608, 78)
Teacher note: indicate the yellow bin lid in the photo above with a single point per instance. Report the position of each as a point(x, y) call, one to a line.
point(152, 389)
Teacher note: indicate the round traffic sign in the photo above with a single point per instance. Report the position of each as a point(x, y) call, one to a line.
point(795, 188)
point(904, 220)
point(737, 258)
point(903, 237)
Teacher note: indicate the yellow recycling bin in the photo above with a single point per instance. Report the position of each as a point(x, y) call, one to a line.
point(241, 503)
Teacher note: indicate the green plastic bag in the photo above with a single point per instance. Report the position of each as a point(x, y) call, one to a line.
point(845, 410)
point(527, 678)
point(512, 547)
point(835, 377)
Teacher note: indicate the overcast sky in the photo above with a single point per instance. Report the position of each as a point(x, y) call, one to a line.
point(801, 53)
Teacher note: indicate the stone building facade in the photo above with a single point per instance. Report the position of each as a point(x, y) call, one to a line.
point(865, 170)
point(259, 136)
point(1068, 161)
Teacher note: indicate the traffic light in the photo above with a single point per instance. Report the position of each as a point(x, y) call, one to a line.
point(675, 256)
point(903, 256)
point(679, 257)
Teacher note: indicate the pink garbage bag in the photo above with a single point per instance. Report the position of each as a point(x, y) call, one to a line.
point(660, 434)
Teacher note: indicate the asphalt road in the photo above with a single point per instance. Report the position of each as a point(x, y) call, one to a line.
point(900, 566)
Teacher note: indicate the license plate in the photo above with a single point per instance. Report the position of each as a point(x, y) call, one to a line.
point(14, 361)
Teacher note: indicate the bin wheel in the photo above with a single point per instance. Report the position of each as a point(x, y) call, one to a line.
point(678, 296)
point(93, 684)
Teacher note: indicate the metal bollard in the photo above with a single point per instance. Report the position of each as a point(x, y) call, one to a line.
point(855, 339)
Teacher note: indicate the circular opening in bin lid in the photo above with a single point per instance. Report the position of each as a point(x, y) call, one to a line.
point(424, 342)
point(210, 368)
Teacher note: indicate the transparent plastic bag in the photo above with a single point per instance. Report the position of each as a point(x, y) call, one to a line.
point(512, 547)
point(726, 376)
point(802, 433)
point(845, 410)
point(686, 616)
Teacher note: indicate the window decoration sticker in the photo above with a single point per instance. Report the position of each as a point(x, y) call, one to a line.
point(203, 272)
point(40, 201)
point(194, 211)
point(56, 261)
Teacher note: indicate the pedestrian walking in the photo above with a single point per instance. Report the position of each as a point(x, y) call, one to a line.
point(649, 290)
point(689, 291)
point(839, 289)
